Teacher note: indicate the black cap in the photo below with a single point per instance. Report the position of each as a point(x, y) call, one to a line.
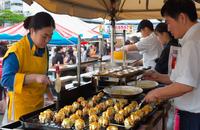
point(145, 23)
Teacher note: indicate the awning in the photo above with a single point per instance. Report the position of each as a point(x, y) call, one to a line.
point(120, 9)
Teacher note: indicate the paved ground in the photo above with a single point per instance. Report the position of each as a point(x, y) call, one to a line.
point(1, 117)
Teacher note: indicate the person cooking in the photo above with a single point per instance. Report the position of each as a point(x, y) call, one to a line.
point(148, 46)
point(184, 85)
point(25, 66)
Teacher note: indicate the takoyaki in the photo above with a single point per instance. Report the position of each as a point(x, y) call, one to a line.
point(79, 124)
point(93, 118)
point(119, 118)
point(67, 123)
point(94, 126)
point(103, 121)
point(112, 128)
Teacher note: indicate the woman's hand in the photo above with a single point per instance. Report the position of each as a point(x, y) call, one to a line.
point(43, 79)
point(36, 78)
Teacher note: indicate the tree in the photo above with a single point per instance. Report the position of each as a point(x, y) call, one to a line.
point(7, 16)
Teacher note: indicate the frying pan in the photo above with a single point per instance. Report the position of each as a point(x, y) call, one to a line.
point(123, 91)
point(144, 84)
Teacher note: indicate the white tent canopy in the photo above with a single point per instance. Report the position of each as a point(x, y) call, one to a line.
point(66, 25)
point(74, 25)
point(120, 9)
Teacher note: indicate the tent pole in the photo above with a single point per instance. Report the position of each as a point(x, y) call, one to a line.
point(124, 51)
point(79, 60)
point(101, 52)
point(112, 39)
point(100, 47)
point(112, 15)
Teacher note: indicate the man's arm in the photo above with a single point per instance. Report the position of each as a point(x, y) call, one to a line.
point(170, 91)
point(154, 75)
point(132, 47)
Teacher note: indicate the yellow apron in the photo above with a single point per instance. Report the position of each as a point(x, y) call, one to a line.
point(25, 99)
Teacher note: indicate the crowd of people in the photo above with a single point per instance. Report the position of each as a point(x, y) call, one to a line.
point(68, 55)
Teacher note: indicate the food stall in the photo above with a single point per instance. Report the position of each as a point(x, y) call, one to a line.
point(155, 119)
point(90, 106)
point(99, 104)
point(72, 102)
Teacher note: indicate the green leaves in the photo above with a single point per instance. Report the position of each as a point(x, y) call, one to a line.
point(7, 16)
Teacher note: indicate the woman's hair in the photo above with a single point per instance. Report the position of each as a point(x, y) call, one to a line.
point(39, 21)
point(161, 28)
point(27, 22)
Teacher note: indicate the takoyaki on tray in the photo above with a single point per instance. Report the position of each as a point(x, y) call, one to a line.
point(122, 72)
point(98, 113)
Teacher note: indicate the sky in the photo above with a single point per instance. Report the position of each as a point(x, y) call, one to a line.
point(34, 8)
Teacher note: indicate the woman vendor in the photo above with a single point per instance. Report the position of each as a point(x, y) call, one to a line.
point(25, 67)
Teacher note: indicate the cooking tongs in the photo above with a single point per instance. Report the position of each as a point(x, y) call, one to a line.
point(140, 104)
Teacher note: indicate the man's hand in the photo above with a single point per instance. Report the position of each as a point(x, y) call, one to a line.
point(123, 48)
point(151, 75)
point(155, 76)
point(152, 96)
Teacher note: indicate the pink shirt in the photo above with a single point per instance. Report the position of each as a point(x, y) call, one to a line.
point(1, 60)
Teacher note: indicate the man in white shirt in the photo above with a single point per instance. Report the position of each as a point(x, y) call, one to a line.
point(184, 82)
point(149, 46)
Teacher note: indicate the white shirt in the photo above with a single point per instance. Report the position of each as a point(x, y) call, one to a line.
point(150, 48)
point(187, 70)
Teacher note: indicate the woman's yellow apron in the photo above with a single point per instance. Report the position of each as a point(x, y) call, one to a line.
point(25, 99)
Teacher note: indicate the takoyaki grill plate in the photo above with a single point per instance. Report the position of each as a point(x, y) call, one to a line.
point(31, 122)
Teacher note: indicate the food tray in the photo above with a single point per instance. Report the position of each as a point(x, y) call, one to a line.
point(123, 73)
point(31, 120)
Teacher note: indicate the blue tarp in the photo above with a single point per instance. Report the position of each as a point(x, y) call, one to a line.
point(105, 35)
point(10, 37)
point(56, 39)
